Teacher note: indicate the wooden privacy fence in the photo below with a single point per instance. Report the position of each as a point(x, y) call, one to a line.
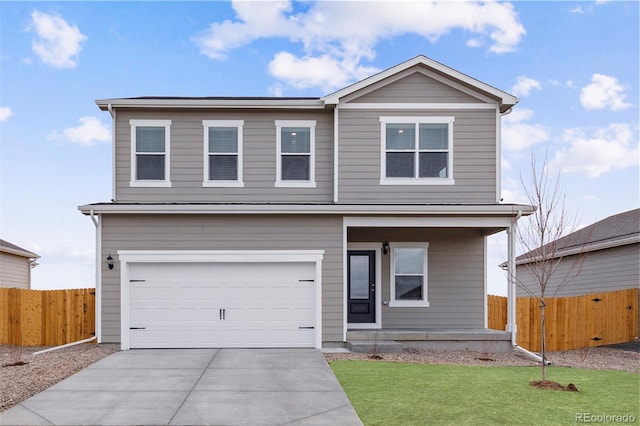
point(571, 322)
point(46, 317)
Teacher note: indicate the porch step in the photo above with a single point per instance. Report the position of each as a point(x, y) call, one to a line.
point(372, 347)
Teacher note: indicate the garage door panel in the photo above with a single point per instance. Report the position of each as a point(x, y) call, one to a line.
point(180, 304)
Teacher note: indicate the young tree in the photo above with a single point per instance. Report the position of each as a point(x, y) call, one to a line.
point(541, 239)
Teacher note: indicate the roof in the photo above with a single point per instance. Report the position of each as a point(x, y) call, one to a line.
point(614, 231)
point(504, 99)
point(7, 247)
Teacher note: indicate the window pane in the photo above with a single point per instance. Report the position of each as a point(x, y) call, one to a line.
point(400, 164)
point(408, 288)
point(401, 136)
point(295, 167)
point(223, 167)
point(434, 136)
point(409, 260)
point(359, 277)
point(296, 140)
point(433, 164)
point(150, 167)
point(223, 139)
point(149, 139)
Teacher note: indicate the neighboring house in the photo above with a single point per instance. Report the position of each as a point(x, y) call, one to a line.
point(611, 261)
point(15, 265)
point(304, 222)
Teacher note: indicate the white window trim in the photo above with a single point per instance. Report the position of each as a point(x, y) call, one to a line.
point(424, 303)
point(166, 182)
point(311, 183)
point(239, 183)
point(415, 181)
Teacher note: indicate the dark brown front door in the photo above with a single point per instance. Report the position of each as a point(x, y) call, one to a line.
point(361, 286)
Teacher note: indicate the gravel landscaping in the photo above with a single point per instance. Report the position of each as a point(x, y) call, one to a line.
point(19, 382)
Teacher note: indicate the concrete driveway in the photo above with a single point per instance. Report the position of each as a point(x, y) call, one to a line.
point(194, 387)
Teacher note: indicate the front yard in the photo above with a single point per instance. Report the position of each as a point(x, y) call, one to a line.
point(394, 393)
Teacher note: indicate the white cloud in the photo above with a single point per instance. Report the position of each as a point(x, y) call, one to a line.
point(330, 37)
point(5, 113)
point(58, 43)
point(524, 86)
point(604, 92)
point(518, 135)
point(606, 149)
point(577, 9)
point(90, 131)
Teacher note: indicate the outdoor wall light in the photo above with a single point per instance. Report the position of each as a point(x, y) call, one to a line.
point(385, 247)
point(110, 261)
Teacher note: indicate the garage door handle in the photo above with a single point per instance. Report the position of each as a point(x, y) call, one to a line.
point(306, 281)
point(223, 314)
point(137, 281)
point(137, 328)
point(306, 328)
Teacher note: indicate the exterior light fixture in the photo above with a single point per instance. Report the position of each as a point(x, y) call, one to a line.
point(110, 261)
point(385, 247)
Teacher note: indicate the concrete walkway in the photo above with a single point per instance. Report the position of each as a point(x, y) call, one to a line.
point(194, 387)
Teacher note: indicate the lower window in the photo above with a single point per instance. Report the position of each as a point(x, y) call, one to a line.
point(409, 275)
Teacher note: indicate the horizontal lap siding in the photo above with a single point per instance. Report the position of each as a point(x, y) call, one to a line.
point(203, 232)
point(455, 277)
point(416, 88)
point(259, 162)
point(474, 159)
point(611, 269)
point(14, 271)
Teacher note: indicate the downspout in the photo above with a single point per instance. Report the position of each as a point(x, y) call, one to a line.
point(511, 309)
point(98, 295)
point(336, 129)
point(112, 112)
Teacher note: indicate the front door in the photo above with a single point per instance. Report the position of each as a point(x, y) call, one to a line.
point(361, 286)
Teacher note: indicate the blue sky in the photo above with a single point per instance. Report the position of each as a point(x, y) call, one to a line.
point(573, 64)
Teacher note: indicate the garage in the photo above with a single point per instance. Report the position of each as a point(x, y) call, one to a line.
point(220, 300)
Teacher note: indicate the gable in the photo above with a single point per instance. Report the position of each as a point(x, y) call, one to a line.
point(414, 87)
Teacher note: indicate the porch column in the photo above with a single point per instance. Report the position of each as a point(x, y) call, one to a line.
point(511, 282)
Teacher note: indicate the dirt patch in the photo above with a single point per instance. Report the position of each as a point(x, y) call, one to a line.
point(551, 385)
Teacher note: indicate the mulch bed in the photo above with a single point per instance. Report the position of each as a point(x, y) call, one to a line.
point(551, 385)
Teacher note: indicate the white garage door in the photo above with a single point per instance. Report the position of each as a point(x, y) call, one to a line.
point(216, 305)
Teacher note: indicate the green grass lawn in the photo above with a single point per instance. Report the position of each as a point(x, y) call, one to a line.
point(387, 393)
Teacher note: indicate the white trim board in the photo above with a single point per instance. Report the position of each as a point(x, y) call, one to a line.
point(128, 257)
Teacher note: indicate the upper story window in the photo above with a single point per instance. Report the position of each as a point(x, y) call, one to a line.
point(417, 151)
point(295, 158)
point(223, 153)
point(409, 275)
point(150, 141)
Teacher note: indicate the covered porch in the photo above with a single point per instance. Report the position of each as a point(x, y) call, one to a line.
point(421, 282)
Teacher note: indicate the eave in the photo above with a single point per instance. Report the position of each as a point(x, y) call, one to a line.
point(209, 103)
point(504, 210)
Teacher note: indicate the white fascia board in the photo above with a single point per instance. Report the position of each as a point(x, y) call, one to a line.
point(507, 99)
point(211, 103)
point(22, 253)
point(358, 209)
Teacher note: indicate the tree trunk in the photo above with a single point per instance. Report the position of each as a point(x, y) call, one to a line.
point(543, 342)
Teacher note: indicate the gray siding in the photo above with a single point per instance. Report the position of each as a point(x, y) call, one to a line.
point(611, 269)
point(474, 160)
point(187, 157)
point(416, 88)
point(207, 232)
point(15, 271)
point(455, 277)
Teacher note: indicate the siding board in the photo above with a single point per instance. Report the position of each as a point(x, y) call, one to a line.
point(203, 232)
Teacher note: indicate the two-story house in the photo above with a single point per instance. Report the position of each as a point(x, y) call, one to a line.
point(304, 222)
